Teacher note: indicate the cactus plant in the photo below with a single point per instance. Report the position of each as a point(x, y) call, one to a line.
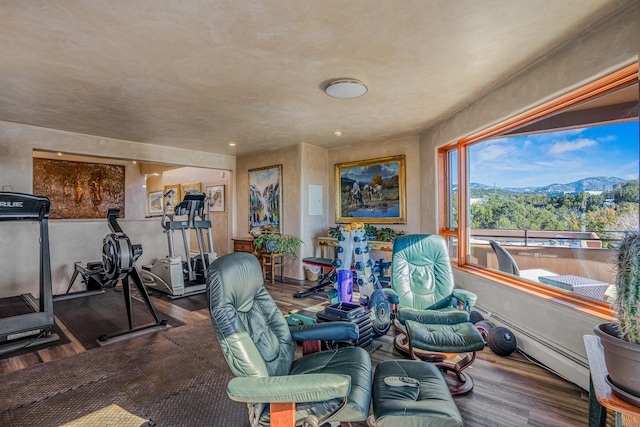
point(627, 303)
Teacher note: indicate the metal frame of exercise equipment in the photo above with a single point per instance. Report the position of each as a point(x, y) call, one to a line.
point(167, 275)
point(118, 262)
point(30, 329)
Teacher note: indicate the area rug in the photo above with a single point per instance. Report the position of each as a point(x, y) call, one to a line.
point(111, 416)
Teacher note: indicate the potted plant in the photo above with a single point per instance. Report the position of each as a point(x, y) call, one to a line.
point(386, 234)
point(370, 231)
point(286, 244)
point(335, 232)
point(621, 338)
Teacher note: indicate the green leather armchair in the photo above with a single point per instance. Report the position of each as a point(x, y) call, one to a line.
point(317, 388)
point(432, 317)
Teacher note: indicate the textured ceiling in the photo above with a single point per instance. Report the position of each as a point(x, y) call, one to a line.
point(199, 74)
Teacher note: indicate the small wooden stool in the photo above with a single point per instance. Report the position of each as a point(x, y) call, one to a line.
point(270, 262)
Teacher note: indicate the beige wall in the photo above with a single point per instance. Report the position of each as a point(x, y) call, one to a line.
point(549, 331)
point(318, 166)
point(292, 221)
point(81, 240)
point(315, 161)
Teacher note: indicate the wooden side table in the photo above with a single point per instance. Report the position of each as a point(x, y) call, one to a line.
point(243, 244)
point(271, 262)
point(601, 397)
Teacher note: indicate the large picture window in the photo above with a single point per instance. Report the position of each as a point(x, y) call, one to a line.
point(544, 198)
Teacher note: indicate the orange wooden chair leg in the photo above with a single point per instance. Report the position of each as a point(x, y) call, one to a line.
point(283, 414)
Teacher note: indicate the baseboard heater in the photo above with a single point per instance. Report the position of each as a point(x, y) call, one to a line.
point(521, 331)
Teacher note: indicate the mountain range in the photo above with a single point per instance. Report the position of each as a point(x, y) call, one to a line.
point(596, 183)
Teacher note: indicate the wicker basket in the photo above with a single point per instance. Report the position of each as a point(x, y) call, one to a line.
point(312, 274)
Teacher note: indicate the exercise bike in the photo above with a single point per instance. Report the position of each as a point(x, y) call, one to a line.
point(172, 275)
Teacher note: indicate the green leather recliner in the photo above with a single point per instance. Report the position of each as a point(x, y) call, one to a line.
point(432, 318)
point(333, 385)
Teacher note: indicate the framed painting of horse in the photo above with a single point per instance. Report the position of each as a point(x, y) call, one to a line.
point(371, 191)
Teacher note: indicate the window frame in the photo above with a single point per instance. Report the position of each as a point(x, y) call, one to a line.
point(616, 80)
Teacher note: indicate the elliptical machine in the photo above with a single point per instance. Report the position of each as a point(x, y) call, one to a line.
point(172, 275)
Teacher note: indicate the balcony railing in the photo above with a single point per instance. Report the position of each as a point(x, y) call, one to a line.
point(581, 259)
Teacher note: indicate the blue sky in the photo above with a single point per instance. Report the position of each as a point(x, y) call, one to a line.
point(557, 157)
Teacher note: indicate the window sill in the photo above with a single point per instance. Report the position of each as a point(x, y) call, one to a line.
point(598, 309)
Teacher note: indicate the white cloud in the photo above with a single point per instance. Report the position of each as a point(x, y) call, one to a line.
point(564, 146)
point(494, 151)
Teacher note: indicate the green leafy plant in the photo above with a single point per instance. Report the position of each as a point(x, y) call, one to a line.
point(335, 232)
point(386, 234)
point(286, 244)
point(370, 230)
point(627, 302)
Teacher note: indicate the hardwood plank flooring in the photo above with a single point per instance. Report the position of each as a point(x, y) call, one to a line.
point(509, 391)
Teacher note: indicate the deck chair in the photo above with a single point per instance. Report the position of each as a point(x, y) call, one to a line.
point(432, 318)
point(506, 263)
point(314, 389)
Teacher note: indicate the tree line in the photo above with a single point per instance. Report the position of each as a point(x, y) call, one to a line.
point(611, 211)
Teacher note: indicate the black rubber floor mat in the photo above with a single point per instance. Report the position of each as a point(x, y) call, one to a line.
point(91, 316)
point(174, 378)
point(192, 303)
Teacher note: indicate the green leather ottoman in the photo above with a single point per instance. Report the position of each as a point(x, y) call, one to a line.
point(429, 404)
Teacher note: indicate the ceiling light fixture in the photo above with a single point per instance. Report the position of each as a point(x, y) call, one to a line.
point(345, 88)
point(232, 144)
point(337, 133)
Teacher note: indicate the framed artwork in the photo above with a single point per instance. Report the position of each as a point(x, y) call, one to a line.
point(190, 188)
point(175, 198)
point(371, 191)
point(265, 198)
point(215, 193)
point(78, 189)
point(155, 202)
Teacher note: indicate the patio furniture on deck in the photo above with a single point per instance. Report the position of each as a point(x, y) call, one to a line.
point(507, 264)
point(578, 285)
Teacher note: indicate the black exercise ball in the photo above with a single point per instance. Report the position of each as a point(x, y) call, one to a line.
point(475, 317)
point(501, 341)
point(484, 327)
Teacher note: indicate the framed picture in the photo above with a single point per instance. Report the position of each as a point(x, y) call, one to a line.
point(155, 202)
point(265, 198)
point(371, 191)
point(175, 198)
point(79, 189)
point(215, 193)
point(190, 188)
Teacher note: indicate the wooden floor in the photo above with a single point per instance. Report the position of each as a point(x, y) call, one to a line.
point(509, 391)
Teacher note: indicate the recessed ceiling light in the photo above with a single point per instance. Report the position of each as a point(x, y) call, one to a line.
point(345, 88)
point(134, 162)
point(337, 133)
point(59, 154)
point(232, 144)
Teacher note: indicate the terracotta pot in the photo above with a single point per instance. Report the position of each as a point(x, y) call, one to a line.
point(623, 363)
